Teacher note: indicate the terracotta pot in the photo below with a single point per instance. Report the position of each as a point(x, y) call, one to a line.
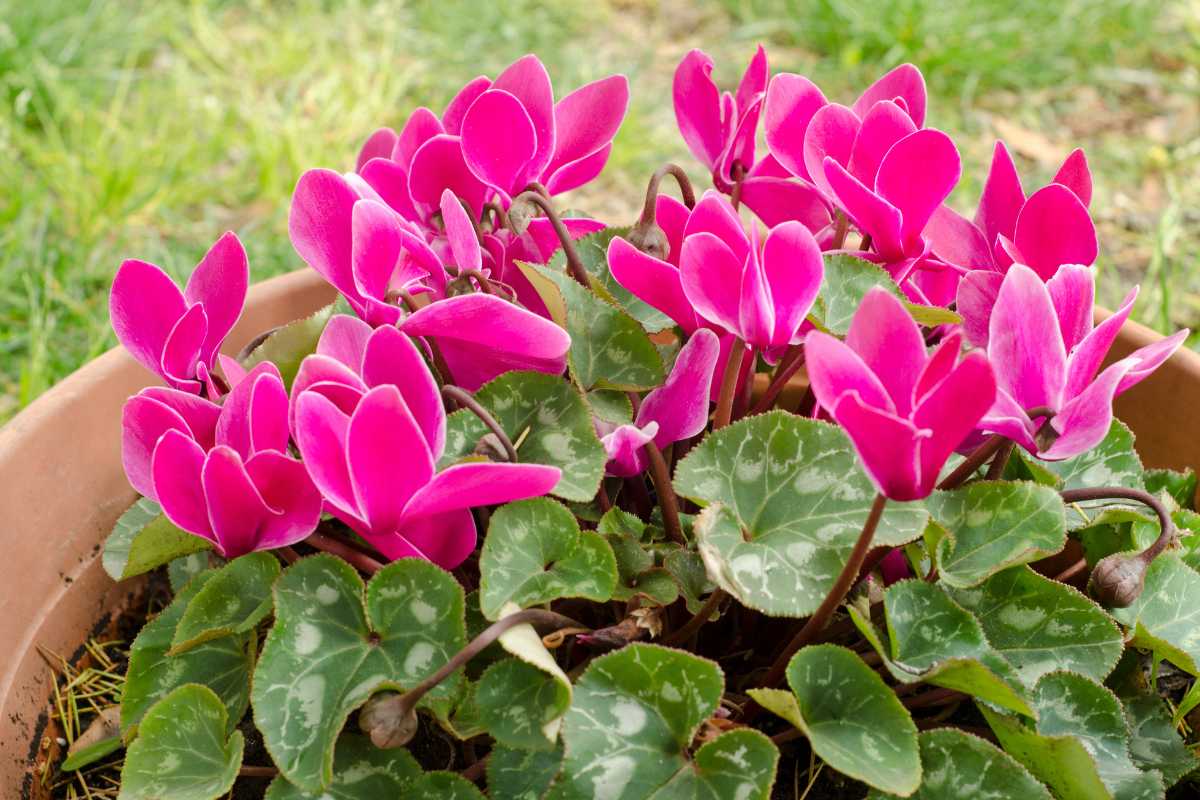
point(62, 488)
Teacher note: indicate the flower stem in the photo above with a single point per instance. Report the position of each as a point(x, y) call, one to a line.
point(574, 265)
point(841, 587)
point(841, 228)
point(468, 401)
point(249, 771)
point(739, 175)
point(359, 560)
point(972, 462)
point(789, 365)
point(661, 477)
point(1166, 524)
point(698, 620)
point(996, 469)
point(733, 366)
point(391, 720)
point(685, 189)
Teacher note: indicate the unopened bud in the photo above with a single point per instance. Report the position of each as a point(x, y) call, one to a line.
point(388, 720)
point(520, 213)
point(1118, 580)
point(650, 239)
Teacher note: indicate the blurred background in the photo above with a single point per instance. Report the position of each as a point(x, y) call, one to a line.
point(145, 129)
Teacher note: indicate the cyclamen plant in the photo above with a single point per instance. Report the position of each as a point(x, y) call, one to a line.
point(812, 469)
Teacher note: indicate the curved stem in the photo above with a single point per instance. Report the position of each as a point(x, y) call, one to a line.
point(350, 555)
point(685, 189)
point(698, 620)
point(499, 215)
point(739, 175)
point(468, 401)
point(729, 379)
point(841, 228)
point(973, 461)
point(1166, 524)
point(841, 587)
point(779, 380)
point(485, 284)
point(996, 468)
point(661, 477)
point(574, 265)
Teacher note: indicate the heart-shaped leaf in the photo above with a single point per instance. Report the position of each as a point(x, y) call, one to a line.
point(534, 553)
point(992, 525)
point(793, 501)
point(1080, 744)
point(958, 765)
point(232, 601)
point(144, 539)
point(936, 641)
point(853, 721)
point(331, 648)
point(1180, 485)
point(443, 786)
point(687, 568)
point(181, 570)
point(1166, 616)
point(1040, 625)
point(183, 749)
point(632, 720)
point(522, 773)
point(519, 704)
point(1154, 743)
point(847, 280)
point(549, 422)
point(287, 345)
point(361, 771)
point(222, 665)
point(1113, 462)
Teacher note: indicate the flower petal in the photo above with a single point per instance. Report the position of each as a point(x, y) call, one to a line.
point(889, 342)
point(904, 82)
point(176, 467)
point(587, 119)
point(287, 490)
point(182, 350)
point(393, 359)
point(957, 241)
point(460, 233)
point(741, 145)
point(1084, 420)
point(1054, 228)
point(480, 484)
point(698, 108)
point(219, 282)
point(884, 124)
point(652, 281)
point(753, 82)
point(871, 213)
point(792, 100)
point(778, 200)
point(1073, 292)
point(1076, 176)
point(388, 457)
point(886, 445)
point(235, 508)
point(916, 175)
point(321, 438)
point(144, 306)
point(456, 109)
point(1024, 342)
point(680, 405)
point(378, 145)
point(389, 181)
point(445, 539)
point(951, 410)
point(439, 165)
point(527, 80)
point(977, 294)
point(830, 134)
point(345, 340)
point(794, 270)
point(499, 141)
point(574, 174)
point(834, 370)
point(319, 224)
point(756, 315)
point(151, 413)
point(1002, 197)
point(716, 215)
point(711, 276)
point(375, 249)
point(625, 448)
point(236, 428)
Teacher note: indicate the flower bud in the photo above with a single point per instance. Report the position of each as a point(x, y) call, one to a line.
point(520, 214)
point(650, 239)
point(1118, 579)
point(388, 720)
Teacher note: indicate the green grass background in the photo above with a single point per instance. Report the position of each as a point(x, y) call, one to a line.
point(145, 129)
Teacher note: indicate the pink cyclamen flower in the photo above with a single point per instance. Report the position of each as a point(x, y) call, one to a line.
point(177, 334)
point(377, 467)
point(1046, 354)
point(674, 411)
point(222, 472)
point(904, 409)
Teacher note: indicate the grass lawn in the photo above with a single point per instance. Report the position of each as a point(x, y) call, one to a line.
point(135, 128)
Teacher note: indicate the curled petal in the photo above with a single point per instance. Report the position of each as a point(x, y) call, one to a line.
point(741, 145)
point(574, 174)
point(389, 181)
point(1024, 342)
point(249, 404)
point(1007, 418)
point(957, 241)
point(680, 405)
point(834, 370)
point(794, 269)
point(319, 224)
point(144, 305)
point(460, 233)
point(884, 124)
point(916, 175)
point(176, 467)
point(830, 134)
point(716, 215)
point(376, 247)
point(480, 484)
point(499, 141)
point(1151, 357)
point(625, 448)
point(655, 282)
point(904, 82)
point(181, 353)
point(219, 283)
point(889, 342)
point(791, 102)
point(1054, 228)
point(445, 539)
point(756, 315)
point(1084, 420)
point(871, 213)
point(698, 108)
point(1002, 197)
point(378, 145)
point(286, 488)
point(1089, 354)
point(527, 80)
point(345, 339)
point(753, 82)
point(779, 200)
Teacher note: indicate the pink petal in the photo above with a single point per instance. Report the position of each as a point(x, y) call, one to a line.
point(287, 490)
point(499, 141)
point(1007, 418)
point(268, 414)
point(219, 282)
point(672, 216)
point(941, 361)
point(319, 224)
point(756, 315)
point(886, 445)
point(698, 108)
point(574, 174)
point(330, 379)
point(1085, 360)
point(741, 145)
point(234, 372)
point(1024, 342)
point(389, 180)
point(375, 249)
point(345, 340)
point(714, 214)
point(794, 270)
point(1151, 357)
point(753, 82)
point(711, 276)
point(680, 405)
point(889, 342)
point(378, 145)
point(235, 507)
point(176, 467)
point(587, 119)
point(1002, 197)
point(884, 124)
point(148, 415)
point(951, 410)
point(625, 445)
point(387, 455)
point(834, 370)
point(527, 80)
point(977, 294)
point(456, 109)
point(652, 281)
point(439, 165)
point(1053, 229)
point(830, 134)
point(792, 100)
point(870, 213)
point(545, 240)
point(1073, 292)
point(905, 82)
point(956, 240)
point(393, 359)
point(235, 428)
point(778, 200)
point(1083, 421)
point(480, 484)
point(916, 175)
point(182, 350)
point(321, 429)
point(460, 233)
point(145, 304)
point(445, 539)
point(1076, 176)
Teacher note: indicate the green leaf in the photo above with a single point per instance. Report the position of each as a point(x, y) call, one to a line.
point(1113, 462)
point(534, 553)
point(519, 704)
point(84, 756)
point(1040, 625)
point(853, 721)
point(232, 601)
point(144, 539)
point(633, 718)
point(932, 316)
point(183, 750)
point(550, 420)
point(958, 765)
point(593, 252)
point(610, 406)
point(1180, 485)
point(443, 786)
point(1154, 744)
point(361, 771)
point(287, 345)
point(330, 649)
point(992, 525)
point(936, 641)
point(1166, 617)
point(222, 665)
point(793, 500)
point(184, 568)
point(522, 774)
point(687, 568)
point(1080, 745)
point(609, 348)
point(847, 280)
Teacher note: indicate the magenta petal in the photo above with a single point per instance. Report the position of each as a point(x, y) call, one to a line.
point(716, 215)
point(389, 180)
point(234, 372)
point(1002, 197)
point(625, 448)
point(1073, 292)
point(871, 213)
point(545, 240)
point(941, 362)
point(835, 370)
point(792, 100)
point(387, 455)
point(977, 294)
point(456, 109)
point(886, 445)
point(951, 410)
point(219, 282)
point(375, 249)
point(1076, 176)
point(698, 108)
point(711, 276)
point(779, 200)
point(830, 134)
point(147, 416)
point(756, 315)
point(321, 429)
point(574, 174)
point(889, 342)
point(320, 229)
point(235, 428)
point(916, 175)
point(182, 350)
point(957, 241)
point(445, 539)
point(480, 484)
point(144, 305)
point(499, 141)
point(439, 165)
point(1007, 418)
point(1054, 228)
point(680, 405)
point(345, 339)
point(1088, 355)
point(287, 490)
point(378, 145)
point(235, 507)
point(904, 82)
point(587, 119)
point(794, 270)
point(741, 145)
point(176, 468)
point(753, 82)
point(527, 80)
point(1150, 358)
point(460, 233)
point(672, 216)
point(1083, 422)
point(268, 414)
point(393, 359)
point(652, 281)
point(1024, 342)
point(885, 124)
